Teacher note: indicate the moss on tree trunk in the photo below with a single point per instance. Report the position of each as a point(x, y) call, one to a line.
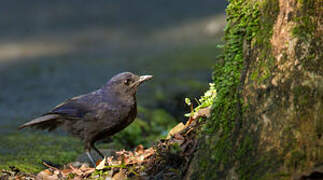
point(267, 119)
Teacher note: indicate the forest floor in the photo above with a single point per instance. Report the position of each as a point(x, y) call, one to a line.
point(169, 158)
point(44, 59)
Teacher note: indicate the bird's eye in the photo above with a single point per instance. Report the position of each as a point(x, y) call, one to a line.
point(127, 82)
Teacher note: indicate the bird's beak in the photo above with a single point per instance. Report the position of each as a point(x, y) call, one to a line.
point(145, 78)
point(141, 79)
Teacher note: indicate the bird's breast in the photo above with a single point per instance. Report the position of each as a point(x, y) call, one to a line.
point(118, 121)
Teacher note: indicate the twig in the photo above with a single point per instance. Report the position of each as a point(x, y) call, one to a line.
point(49, 166)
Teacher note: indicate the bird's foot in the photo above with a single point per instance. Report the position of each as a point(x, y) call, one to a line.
point(91, 159)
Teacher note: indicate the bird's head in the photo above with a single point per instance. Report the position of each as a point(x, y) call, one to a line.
point(126, 83)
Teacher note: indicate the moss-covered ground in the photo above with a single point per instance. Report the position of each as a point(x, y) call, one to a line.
point(27, 150)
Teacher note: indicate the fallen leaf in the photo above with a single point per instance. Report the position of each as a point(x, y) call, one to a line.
point(101, 164)
point(88, 171)
point(76, 171)
point(203, 112)
point(77, 178)
point(109, 160)
point(47, 174)
point(188, 131)
point(66, 172)
point(179, 137)
point(179, 127)
point(149, 152)
point(139, 149)
point(84, 167)
point(120, 175)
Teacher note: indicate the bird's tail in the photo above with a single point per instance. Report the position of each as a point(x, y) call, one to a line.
point(49, 121)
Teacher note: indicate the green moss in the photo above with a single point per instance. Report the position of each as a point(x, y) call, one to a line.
point(269, 10)
point(306, 26)
point(280, 176)
point(175, 148)
point(233, 143)
point(302, 96)
point(307, 21)
point(296, 159)
point(243, 24)
point(249, 26)
point(26, 151)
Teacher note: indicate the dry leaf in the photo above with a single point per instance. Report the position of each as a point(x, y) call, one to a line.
point(188, 131)
point(178, 139)
point(84, 167)
point(47, 174)
point(179, 127)
point(139, 149)
point(101, 164)
point(120, 175)
point(109, 160)
point(88, 171)
point(66, 172)
point(76, 171)
point(203, 112)
point(149, 152)
point(133, 160)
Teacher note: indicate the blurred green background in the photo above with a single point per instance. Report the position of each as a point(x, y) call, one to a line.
point(53, 50)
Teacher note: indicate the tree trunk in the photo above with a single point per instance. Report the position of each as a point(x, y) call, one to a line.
point(267, 120)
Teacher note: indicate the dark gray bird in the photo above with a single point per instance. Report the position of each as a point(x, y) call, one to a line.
point(96, 115)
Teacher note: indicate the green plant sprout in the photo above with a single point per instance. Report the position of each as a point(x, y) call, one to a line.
point(205, 101)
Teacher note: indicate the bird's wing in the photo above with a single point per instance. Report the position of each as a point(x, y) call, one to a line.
point(73, 108)
point(49, 122)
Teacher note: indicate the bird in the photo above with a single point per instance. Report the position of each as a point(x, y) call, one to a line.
point(96, 115)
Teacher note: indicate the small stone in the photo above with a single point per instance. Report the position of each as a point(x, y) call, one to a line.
point(76, 164)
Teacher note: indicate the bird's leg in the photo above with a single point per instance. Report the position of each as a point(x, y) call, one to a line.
point(91, 158)
point(96, 150)
point(88, 153)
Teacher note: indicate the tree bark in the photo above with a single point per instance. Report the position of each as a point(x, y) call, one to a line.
point(267, 120)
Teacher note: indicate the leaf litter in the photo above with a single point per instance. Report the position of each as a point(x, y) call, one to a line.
point(166, 159)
